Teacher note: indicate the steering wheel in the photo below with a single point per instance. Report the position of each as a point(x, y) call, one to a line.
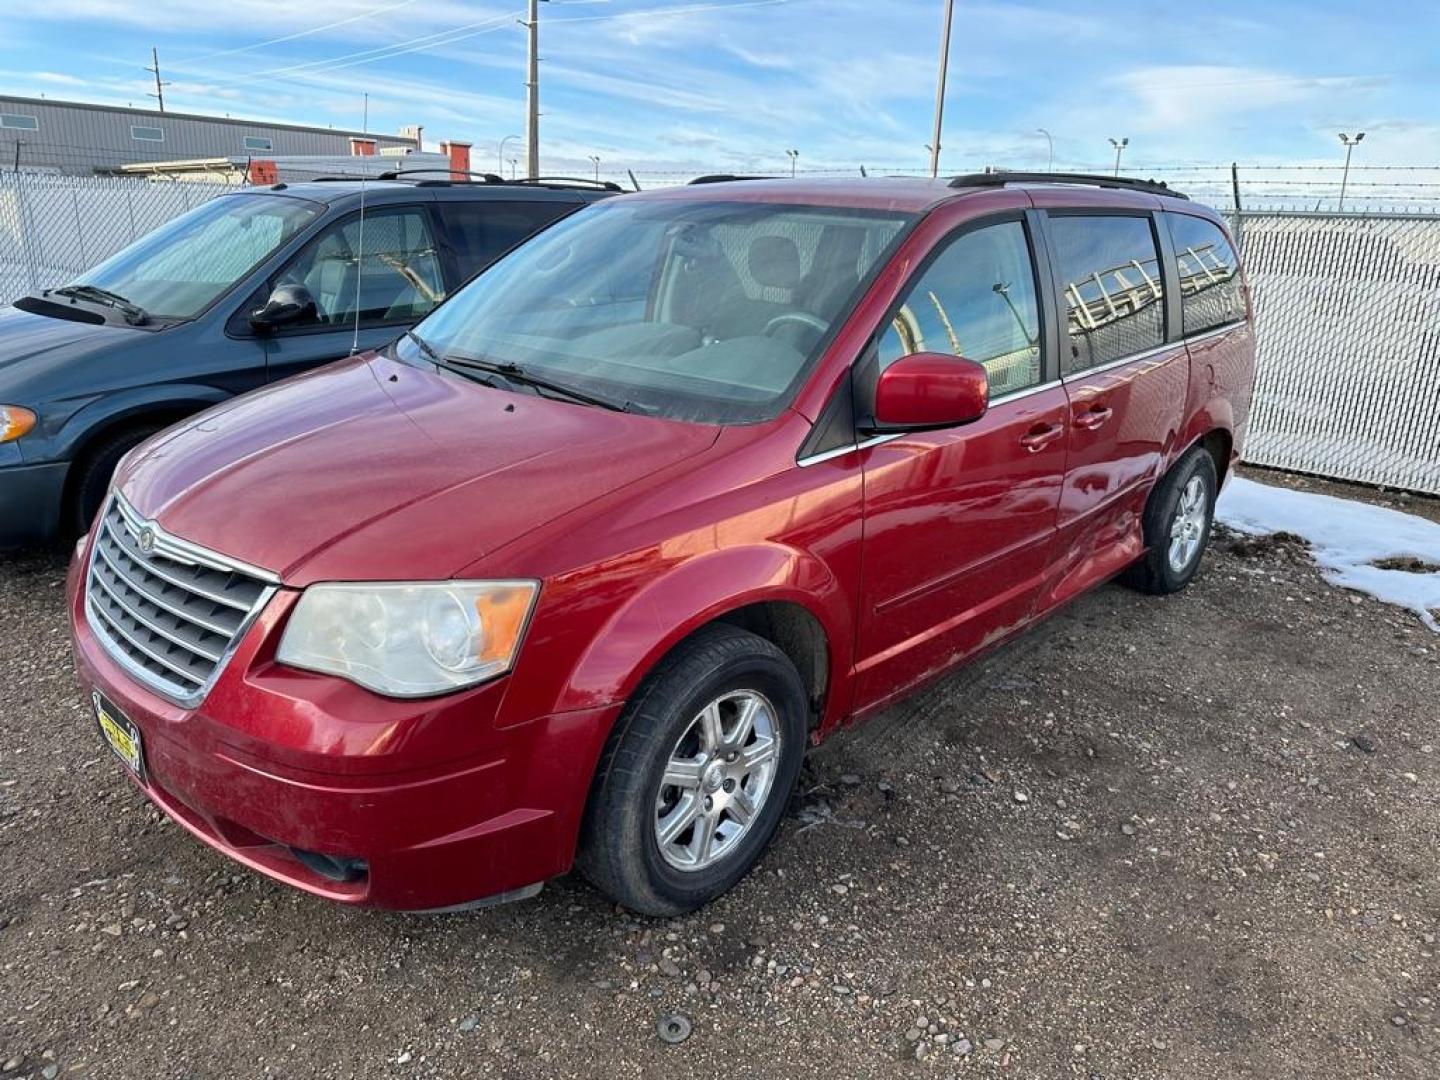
point(814, 322)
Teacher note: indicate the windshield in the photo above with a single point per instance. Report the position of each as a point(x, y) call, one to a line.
point(178, 270)
point(709, 311)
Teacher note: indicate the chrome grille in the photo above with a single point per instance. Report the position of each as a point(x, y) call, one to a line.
point(168, 611)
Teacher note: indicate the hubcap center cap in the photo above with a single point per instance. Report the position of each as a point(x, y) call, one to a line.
point(713, 776)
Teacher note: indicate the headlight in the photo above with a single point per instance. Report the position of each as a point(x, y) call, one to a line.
point(14, 422)
point(409, 639)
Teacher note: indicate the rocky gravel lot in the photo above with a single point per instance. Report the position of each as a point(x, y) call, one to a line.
point(1191, 837)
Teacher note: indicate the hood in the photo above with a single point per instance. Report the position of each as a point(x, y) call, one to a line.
point(30, 342)
point(370, 470)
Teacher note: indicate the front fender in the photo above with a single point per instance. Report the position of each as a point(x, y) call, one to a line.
point(699, 591)
point(110, 409)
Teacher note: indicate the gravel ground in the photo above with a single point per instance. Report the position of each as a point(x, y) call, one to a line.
point(1191, 837)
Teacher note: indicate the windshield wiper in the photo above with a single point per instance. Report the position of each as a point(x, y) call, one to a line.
point(134, 314)
point(512, 372)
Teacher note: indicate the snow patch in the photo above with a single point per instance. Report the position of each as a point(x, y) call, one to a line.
point(1346, 539)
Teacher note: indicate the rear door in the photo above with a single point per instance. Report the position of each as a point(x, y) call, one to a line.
point(960, 523)
point(1126, 376)
point(380, 276)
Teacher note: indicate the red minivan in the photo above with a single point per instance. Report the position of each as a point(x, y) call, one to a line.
point(574, 572)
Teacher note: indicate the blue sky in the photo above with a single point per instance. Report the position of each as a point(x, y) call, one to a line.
point(675, 86)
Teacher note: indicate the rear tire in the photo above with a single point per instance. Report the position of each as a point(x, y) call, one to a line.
point(678, 816)
point(93, 473)
point(1177, 525)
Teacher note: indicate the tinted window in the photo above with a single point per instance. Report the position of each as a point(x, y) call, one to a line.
point(391, 270)
point(1110, 278)
point(977, 300)
point(1211, 293)
point(481, 232)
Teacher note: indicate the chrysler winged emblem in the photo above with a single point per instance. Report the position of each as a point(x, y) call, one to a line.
point(146, 540)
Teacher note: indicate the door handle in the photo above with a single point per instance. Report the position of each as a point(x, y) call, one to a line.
point(1041, 436)
point(1094, 418)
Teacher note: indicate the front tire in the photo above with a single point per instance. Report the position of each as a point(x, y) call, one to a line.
point(695, 777)
point(93, 473)
point(1177, 525)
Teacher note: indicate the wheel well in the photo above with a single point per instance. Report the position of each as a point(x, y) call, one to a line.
point(1217, 443)
point(157, 418)
point(796, 633)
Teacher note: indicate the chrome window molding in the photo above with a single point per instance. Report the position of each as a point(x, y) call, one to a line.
point(186, 553)
point(1016, 395)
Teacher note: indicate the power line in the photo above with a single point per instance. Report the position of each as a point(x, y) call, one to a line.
point(298, 34)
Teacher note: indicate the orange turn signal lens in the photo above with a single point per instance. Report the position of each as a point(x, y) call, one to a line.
point(14, 422)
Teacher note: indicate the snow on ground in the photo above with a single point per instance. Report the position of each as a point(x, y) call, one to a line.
point(1346, 539)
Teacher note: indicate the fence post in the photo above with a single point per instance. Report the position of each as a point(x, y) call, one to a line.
point(1235, 189)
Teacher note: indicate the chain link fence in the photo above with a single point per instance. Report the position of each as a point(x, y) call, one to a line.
point(1347, 313)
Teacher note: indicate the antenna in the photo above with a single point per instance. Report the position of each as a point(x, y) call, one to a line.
point(360, 241)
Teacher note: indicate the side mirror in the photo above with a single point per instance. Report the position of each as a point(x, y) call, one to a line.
point(930, 390)
point(287, 304)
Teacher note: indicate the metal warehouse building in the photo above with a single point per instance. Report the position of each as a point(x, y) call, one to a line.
point(75, 137)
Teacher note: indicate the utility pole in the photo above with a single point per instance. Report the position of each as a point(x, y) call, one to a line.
point(1119, 149)
point(596, 161)
point(154, 68)
point(940, 88)
point(1350, 145)
point(532, 91)
point(794, 156)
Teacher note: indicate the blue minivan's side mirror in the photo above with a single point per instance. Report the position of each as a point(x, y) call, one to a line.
point(288, 303)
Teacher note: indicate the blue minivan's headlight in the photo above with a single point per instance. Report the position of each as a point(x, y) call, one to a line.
point(14, 422)
point(409, 639)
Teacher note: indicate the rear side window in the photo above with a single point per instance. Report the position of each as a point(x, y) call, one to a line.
point(480, 232)
point(1211, 294)
point(1109, 274)
point(977, 299)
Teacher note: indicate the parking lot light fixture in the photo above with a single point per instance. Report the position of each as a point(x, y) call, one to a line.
point(1119, 145)
point(1350, 145)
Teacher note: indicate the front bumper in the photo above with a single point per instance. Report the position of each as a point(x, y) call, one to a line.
point(426, 803)
point(30, 498)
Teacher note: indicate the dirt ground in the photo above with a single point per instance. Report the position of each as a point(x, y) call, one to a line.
point(1187, 837)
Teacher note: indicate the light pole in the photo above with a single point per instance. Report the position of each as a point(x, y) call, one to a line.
point(1350, 145)
point(1050, 164)
point(940, 88)
point(500, 153)
point(596, 160)
point(513, 162)
point(1119, 149)
point(794, 156)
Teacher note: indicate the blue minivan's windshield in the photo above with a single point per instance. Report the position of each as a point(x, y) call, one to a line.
point(707, 311)
point(178, 270)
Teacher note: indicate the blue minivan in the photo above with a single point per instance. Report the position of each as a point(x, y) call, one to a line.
point(247, 288)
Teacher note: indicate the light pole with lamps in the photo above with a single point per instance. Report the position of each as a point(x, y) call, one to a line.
point(1119, 146)
point(500, 153)
point(594, 159)
point(794, 156)
point(1350, 145)
point(1050, 142)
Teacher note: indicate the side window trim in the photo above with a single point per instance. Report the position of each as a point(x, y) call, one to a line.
point(1170, 306)
point(426, 213)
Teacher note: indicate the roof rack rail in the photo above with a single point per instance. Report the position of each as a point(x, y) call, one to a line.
point(725, 178)
point(449, 174)
point(567, 181)
point(1123, 183)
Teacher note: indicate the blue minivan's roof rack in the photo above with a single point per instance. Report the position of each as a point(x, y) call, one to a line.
point(1123, 183)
